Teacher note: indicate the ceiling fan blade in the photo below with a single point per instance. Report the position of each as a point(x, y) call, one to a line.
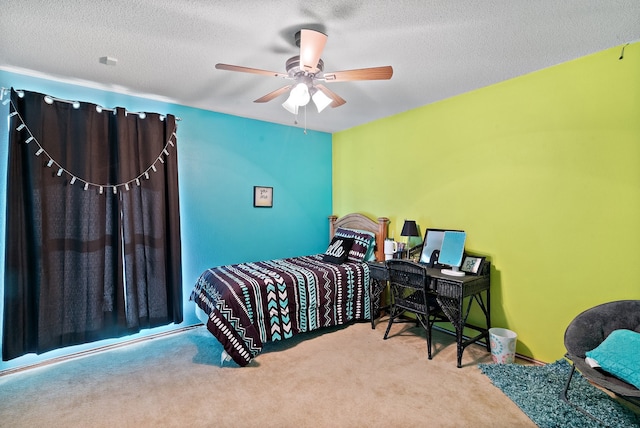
point(311, 47)
point(230, 67)
point(274, 94)
point(374, 73)
point(337, 99)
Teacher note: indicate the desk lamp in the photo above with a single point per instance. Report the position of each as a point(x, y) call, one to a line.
point(409, 229)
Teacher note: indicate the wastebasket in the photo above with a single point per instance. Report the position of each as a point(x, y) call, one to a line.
point(503, 345)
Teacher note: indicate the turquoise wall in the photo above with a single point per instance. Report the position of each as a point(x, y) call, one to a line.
point(220, 158)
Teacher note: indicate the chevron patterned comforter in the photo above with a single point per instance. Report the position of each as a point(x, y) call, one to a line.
point(250, 304)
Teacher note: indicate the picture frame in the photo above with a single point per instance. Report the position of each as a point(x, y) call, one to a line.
point(262, 197)
point(472, 264)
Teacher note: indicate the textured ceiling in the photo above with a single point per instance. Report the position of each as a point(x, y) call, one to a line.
point(167, 49)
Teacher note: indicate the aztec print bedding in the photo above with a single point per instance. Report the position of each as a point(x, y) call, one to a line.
point(250, 304)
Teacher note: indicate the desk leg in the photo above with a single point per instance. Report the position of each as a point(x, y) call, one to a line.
point(488, 316)
point(452, 309)
point(459, 324)
point(486, 310)
point(375, 292)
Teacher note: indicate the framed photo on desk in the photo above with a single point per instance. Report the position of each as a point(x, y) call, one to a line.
point(472, 264)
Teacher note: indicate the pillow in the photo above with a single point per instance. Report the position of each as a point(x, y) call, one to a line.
point(362, 240)
point(619, 354)
point(370, 256)
point(338, 250)
point(371, 252)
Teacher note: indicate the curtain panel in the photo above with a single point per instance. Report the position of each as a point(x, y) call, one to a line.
point(93, 225)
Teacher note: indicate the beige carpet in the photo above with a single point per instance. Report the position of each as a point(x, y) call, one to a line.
point(345, 377)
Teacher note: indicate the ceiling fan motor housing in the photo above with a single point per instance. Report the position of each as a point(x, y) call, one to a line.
point(293, 67)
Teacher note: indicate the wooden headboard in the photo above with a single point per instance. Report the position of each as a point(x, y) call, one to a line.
point(359, 221)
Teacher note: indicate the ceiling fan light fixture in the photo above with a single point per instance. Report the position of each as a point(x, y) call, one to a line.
point(300, 94)
point(321, 100)
point(306, 70)
point(290, 106)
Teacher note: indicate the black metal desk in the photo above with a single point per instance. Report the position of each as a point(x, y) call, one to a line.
point(456, 296)
point(378, 277)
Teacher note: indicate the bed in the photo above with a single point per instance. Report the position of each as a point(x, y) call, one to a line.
point(246, 305)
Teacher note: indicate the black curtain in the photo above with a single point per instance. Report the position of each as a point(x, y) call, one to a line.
point(93, 227)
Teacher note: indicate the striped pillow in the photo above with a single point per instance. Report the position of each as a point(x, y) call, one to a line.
point(362, 242)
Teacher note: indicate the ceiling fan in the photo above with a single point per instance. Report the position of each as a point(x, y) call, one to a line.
point(306, 71)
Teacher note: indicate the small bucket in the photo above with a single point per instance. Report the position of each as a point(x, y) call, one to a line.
point(503, 345)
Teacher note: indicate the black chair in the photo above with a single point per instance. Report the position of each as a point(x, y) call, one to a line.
point(408, 285)
point(586, 332)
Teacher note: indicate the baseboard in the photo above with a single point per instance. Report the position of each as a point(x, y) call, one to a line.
point(530, 360)
point(477, 342)
point(93, 351)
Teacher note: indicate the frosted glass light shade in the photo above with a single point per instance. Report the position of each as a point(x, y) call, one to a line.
point(290, 106)
point(299, 96)
point(321, 100)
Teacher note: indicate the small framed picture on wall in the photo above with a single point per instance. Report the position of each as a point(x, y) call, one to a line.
point(262, 197)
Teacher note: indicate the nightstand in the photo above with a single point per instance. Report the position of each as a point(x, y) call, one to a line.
point(378, 278)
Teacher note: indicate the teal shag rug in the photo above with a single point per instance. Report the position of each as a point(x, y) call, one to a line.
point(536, 390)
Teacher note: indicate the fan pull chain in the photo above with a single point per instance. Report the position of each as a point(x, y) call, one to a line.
point(305, 120)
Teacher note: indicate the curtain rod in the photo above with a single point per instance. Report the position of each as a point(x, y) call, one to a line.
point(76, 104)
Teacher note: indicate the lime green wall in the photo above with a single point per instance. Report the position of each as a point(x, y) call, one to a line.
point(542, 171)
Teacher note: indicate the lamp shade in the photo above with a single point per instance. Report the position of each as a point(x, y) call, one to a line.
point(290, 105)
point(321, 100)
point(409, 228)
point(299, 96)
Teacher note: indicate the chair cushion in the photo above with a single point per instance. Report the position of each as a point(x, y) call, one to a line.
point(619, 354)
